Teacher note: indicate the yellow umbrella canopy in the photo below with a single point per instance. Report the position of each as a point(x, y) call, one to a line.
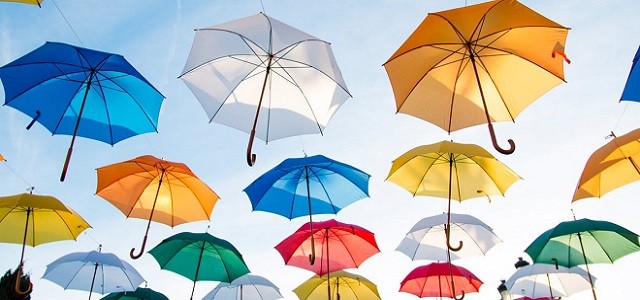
point(157, 190)
point(477, 64)
point(452, 171)
point(33, 220)
point(341, 285)
point(34, 2)
point(613, 165)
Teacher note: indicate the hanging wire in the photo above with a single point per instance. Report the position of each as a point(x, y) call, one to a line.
point(622, 114)
point(96, 241)
point(30, 187)
point(303, 148)
point(68, 24)
point(263, 10)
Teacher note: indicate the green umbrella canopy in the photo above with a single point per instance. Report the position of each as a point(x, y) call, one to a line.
point(200, 256)
point(583, 241)
point(138, 294)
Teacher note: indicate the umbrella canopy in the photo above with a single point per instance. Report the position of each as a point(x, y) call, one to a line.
point(339, 245)
point(138, 294)
point(427, 238)
point(545, 280)
point(451, 170)
point(245, 287)
point(438, 280)
point(33, 220)
point(258, 64)
point(99, 95)
point(200, 256)
point(631, 90)
point(583, 242)
point(307, 186)
point(34, 2)
point(611, 166)
point(157, 190)
point(477, 64)
point(94, 272)
point(341, 285)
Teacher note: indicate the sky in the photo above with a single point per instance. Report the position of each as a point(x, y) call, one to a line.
point(554, 138)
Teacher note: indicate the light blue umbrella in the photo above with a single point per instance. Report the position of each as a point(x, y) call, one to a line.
point(307, 186)
point(631, 90)
point(81, 92)
point(94, 272)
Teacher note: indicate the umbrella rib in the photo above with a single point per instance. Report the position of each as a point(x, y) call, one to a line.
point(63, 222)
point(324, 189)
point(440, 155)
point(601, 247)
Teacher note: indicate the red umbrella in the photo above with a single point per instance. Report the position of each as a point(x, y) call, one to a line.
point(340, 246)
point(436, 280)
point(527, 298)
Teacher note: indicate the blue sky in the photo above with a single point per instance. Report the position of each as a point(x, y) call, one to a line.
point(554, 137)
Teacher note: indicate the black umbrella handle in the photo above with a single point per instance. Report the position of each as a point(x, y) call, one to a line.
point(251, 158)
point(512, 145)
point(136, 256)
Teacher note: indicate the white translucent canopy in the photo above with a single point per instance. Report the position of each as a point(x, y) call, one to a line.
point(227, 66)
point(546, 280)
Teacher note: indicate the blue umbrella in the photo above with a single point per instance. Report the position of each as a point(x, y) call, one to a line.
point(631, 90)
point(306, 186)
point(81, 92)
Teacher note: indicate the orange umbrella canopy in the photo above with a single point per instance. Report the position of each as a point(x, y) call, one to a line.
point(477, 64)
point(174, 193)
point(34, 2)
point(613, 165)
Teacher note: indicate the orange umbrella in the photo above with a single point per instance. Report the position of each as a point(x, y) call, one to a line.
point(477, 64)
point(158, 190)
point(34, 2)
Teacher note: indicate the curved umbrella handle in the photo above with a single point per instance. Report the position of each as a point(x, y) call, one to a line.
point(512, 145)
point(448, 234)
point(136, 256)
point(16, 288)
point(461, 297)
point(251, 158)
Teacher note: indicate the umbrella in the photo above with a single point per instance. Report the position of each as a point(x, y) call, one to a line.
point(451, 170)
point(435, 280)
point(138, 294)
point(33, 220)
point(611, 166)
point(477, 64)
point(631, 90)
point(247, 287)
point(98, 95)
point(34, 2)
point(258, 64)
point(154, 189)
point(581, 242)
point(306, 186)
point(200, 256)
point(81, 270)
point(346, 286)
point(545, 280)
point(340, 246)
point(425, 239)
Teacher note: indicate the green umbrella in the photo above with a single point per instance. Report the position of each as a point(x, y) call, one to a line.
point(138, 294)
point(583, 242)
point(200, 256)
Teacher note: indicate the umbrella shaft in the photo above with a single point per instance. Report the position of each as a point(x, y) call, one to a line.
point(584, 255)
point(24, 239)
point(95, 270)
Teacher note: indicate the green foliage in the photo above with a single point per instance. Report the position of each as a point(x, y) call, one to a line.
point(7, 285)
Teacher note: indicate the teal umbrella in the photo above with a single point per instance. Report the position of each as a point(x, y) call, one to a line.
point(200, 256)
point(583, 242)
point(138, 294)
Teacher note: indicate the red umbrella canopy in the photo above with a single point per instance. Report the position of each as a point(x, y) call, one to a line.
point(527, 298)
point(337, 246)
point(434, 280)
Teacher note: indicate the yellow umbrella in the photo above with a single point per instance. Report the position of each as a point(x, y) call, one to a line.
point(477, 64)
point(32, 220)
point(613, 165)
point(341, 285)
point(453, 171)
point(34, 2)
point(154, 189)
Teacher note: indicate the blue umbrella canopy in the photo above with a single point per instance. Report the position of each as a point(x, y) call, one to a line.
point(308, 185)
point(631, 90)
point(81, 92)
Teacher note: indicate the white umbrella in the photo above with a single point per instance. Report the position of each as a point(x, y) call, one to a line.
point(94, 272)
point(427, 238)
point(264, 77)
point(546, 280)
point(246, 287)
